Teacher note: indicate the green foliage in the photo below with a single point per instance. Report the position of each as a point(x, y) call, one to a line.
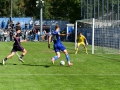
point(54, 9)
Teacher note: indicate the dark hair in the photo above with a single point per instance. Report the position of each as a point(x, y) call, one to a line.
point(18, 28)
point(57, 26)
point(80, 32)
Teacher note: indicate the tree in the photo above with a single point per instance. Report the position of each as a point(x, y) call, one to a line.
point(56, 9)
point(65, 9)
point(4, 8)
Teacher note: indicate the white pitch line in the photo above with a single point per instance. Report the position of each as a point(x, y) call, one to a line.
point(17, 54)
point(60, 74)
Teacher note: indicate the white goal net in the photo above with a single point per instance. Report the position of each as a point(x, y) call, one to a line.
point(103, 35)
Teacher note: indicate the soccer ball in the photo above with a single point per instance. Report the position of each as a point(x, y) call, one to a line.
point(62, 62)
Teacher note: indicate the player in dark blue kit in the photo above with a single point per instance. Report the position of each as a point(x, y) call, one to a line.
point(16, 46)
point(58, 46)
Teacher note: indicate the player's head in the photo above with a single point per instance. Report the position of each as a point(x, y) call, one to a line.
point(18, 29)
point(80, 33)
point(57, 27)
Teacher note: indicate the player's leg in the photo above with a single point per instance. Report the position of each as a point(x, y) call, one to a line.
point(55, 57)
point(78, 44)
point(57, 51)
point(62, 48)
point(23, 54)
point(67, 57)
point(9, 56)
point(85, 47)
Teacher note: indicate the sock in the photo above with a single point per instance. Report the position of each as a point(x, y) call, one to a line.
point(86, 50)
point(22, 56)
point(55, 57)
point(68, 58)
point(5, 59)
point(76, 49)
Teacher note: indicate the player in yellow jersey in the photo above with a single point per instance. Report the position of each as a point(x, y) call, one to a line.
point(81, 41)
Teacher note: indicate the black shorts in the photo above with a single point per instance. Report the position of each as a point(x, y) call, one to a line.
point(17, 48)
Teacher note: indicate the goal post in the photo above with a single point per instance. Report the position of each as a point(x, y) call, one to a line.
point(76, 34)
point(93, 28)
point(102, 35)
point(89, 21)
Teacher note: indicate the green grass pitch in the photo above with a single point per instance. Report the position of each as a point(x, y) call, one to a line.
point(89, 72)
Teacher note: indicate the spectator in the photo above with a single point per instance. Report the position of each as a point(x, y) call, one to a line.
point(1, 35)
point(3, 24)
point(18, 24)
point(12, 24)
point(9, 26)
point(8, 22)
point(38, 35)
point(26, 25)
point(34, 32)
point(43, 35)
point(27, 35)
point(5, 35)
point(11, 34)
point(30, 35)
point(30, 24)
point(24, 37)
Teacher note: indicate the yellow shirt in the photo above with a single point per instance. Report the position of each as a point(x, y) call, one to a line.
point(81, 38)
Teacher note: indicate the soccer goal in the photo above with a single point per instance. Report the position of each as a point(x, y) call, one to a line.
point(103, 35)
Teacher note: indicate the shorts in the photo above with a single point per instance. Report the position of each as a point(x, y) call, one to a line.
point(81, 43)
point(17, 48)
point(59, 47)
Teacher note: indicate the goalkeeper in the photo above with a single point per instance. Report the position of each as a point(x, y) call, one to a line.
point(81, 41)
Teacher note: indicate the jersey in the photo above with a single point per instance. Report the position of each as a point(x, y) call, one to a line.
point(57, 42)
point(56, 37)
point(81, 38)
point(17, 46)
point(17, 41)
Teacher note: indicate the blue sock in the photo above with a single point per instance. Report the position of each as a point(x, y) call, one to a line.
point(67, 57)
point(55, 57)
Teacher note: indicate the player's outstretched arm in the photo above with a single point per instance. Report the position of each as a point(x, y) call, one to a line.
point(23, 40)
point(63, 34)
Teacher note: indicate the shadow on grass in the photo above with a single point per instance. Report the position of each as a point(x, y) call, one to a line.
point(46, 66)
point(8, 64)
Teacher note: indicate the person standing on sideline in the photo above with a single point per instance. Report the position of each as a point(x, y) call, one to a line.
point(81, 41)
point(3, 24)
point(31, 24)
point(16, 47)
point(11, 34)
point(58, 46)
point(26, 26)
point(38, 35)
point(43, 35)
point(5, 35)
